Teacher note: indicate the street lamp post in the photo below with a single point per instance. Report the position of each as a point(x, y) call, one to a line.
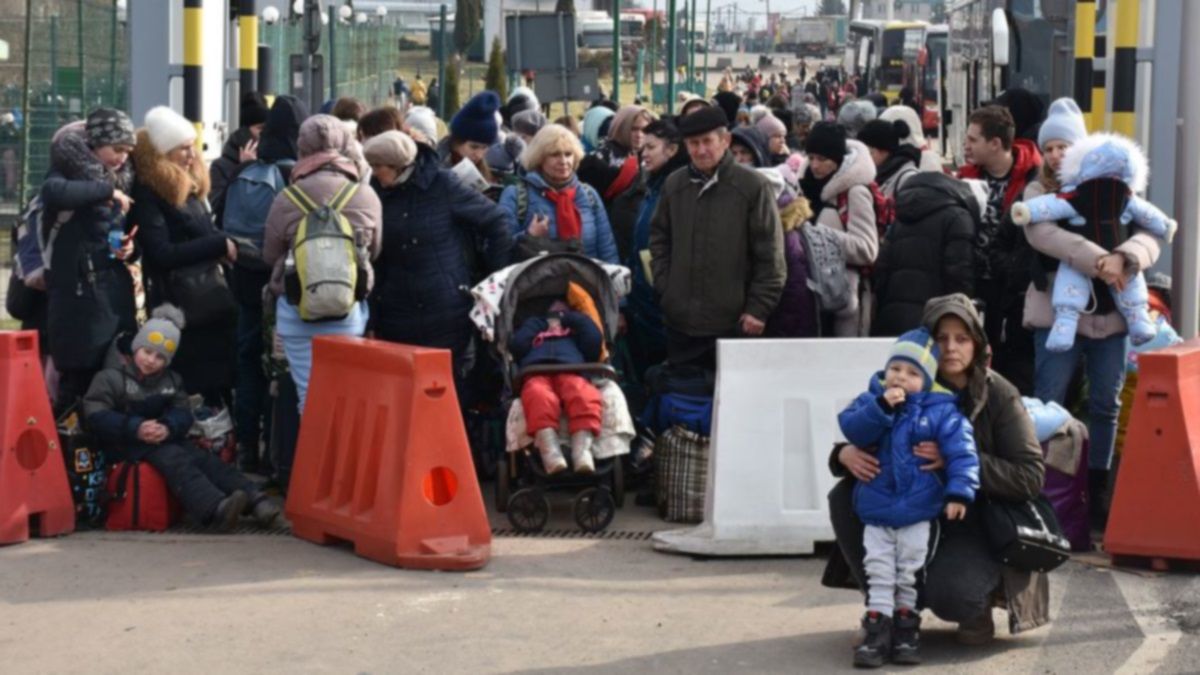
point(672, 48)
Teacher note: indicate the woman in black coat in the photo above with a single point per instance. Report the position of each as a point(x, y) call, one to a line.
point(439, 237)
point(928, 252)
point(89, 289)
point(176, 231)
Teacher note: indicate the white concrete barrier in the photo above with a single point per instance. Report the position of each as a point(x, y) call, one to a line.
point(775, 423)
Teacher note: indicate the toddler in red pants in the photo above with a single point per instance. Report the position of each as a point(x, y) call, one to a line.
point(562, 337)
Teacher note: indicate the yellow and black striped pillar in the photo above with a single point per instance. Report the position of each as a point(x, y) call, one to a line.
point(1124, 67)
point(193, 60)
point(1085, 46)
point(1099, 85)
point(247, 46)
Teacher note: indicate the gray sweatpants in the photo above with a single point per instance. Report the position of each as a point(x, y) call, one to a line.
point(894, 556)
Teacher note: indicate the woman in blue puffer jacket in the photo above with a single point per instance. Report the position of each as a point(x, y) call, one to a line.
point(551, 202)
point(439, 237)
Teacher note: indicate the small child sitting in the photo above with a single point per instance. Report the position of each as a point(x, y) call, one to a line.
point(903, 408)
point(1101, 176)
point(562, 337)
point(138, 410)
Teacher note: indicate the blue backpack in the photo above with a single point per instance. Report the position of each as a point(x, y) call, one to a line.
point(248, 201)
point(679, 396)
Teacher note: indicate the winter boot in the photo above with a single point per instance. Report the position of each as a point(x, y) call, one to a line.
point(553, 461)
point(978, 631)
point(264, 511)
point(581, 452)
point(906, 637)
point(876, 646)
point(225, 516)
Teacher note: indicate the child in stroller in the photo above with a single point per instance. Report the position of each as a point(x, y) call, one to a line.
point(561, 337)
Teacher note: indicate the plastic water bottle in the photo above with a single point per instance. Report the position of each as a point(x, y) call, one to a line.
point(115, 242)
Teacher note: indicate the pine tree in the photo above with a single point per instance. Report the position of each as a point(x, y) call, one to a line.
point(496, 79)
point(467, 17)
point(450, 88)
point(564, 7)
point(938, 12)
point(832, 8)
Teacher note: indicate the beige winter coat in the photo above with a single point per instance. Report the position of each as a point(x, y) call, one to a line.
point(1140, 251)
point(859, 238)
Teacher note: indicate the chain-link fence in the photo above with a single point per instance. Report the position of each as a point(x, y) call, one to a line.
point(65, 57)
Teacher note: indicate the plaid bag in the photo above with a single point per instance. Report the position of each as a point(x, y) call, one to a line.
point(682, 475)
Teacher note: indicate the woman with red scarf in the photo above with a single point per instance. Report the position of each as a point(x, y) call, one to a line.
point(550, 202)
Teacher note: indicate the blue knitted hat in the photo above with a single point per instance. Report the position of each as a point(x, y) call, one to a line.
point(919, 348)
point(476, 121)
point(1063, 123)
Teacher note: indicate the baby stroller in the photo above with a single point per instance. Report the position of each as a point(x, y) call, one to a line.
point(502, 303)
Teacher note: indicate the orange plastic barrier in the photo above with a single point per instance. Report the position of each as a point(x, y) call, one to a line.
point(34, 493)
point(1156, 506)
point(383, 459)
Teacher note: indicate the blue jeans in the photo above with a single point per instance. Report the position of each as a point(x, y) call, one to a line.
point(1105, 361)
point(297, 335)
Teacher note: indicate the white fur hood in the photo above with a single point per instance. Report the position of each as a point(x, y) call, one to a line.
point(857, 169)
point(1104, 155)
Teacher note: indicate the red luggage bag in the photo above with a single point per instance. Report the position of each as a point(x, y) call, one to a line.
point(139, 499)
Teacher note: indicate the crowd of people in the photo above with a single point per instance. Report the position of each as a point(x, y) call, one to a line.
point(718, 212)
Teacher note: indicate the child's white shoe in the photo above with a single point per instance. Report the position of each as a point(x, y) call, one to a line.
point(546, 442)
point(581, 452)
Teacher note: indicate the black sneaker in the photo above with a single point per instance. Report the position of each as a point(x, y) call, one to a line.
point(876, 646)
point(228, 510)
point(906, 638)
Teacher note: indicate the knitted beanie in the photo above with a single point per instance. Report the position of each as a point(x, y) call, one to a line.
point(918, 347)
point(528, 122)
point(1063, 123)
point(771, 125)
point(391, 148)
point(854, 116)
point(168, 129)
point(521, 99)
point(423, 119)
point(161, 333)
point(109, 126)
point(253, 109)
point(476, 121)
point(883, 135)
point(827, 140)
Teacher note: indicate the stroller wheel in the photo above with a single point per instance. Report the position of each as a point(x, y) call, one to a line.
point(503, 483)
point(528, 510)
point(618, 481)
point(594, 509)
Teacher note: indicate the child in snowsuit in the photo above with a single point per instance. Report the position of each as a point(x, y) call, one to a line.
point(563, 337)
point(139, 411)
point(902, 408)
point(1101, 176)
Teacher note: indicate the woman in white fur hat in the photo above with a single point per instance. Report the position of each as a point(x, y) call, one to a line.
point(178, 239)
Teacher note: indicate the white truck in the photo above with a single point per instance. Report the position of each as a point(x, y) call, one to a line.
point(808, 36)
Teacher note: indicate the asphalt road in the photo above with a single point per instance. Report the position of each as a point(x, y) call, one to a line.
point(108, 603)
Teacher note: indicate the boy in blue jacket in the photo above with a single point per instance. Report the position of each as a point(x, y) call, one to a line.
point(562, 337)
point(904, 407)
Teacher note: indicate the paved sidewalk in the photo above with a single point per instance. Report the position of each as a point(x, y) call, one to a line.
point(109, 603)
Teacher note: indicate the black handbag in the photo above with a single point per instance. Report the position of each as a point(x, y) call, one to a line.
point(202, 292)
point(1025, 535)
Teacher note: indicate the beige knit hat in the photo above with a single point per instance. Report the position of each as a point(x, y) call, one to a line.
point(391, 148)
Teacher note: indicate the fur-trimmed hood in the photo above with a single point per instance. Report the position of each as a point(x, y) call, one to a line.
point(171, 183)
point(1104, 155)
point(71, 156)
point(857, 169)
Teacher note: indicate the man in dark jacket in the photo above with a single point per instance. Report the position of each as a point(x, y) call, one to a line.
point(241, 147)
point(1002, 255)
point(928, 250)
point(716, 246)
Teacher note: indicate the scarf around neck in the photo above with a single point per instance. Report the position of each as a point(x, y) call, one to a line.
point(812, 186)
point(566, 213)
